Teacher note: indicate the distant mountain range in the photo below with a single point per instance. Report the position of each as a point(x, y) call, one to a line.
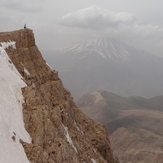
point(107, 64)
point(134, 124)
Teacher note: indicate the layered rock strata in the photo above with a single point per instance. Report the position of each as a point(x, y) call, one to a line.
point(60, 132)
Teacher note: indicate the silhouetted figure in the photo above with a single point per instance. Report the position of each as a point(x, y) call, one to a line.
point(24, 26)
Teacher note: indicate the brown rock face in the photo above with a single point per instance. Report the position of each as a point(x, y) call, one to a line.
point(60, 132)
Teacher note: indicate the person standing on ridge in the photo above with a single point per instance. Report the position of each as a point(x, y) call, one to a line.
point(24, 26)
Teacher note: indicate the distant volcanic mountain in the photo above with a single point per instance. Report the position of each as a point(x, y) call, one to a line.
point(108, 64)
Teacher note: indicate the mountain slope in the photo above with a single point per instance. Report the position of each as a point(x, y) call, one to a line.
point(134, 124)
point(107, 64)
point(60, 132)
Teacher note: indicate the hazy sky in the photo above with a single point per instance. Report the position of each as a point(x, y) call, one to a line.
point(61, 22)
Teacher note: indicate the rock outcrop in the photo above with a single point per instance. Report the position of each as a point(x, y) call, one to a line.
point(60, 132)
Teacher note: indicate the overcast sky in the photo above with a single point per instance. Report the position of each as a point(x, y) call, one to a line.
point(61, 22)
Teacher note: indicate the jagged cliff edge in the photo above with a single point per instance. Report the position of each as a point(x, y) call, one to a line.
point(60, 132)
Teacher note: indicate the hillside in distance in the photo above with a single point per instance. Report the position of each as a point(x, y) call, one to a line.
point(107, 64)
point(133, 123)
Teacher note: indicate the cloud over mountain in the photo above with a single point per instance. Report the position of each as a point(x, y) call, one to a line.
point(115, 24)
point(96, 18)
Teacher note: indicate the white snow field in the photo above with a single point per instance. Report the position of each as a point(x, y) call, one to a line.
point(11, 118)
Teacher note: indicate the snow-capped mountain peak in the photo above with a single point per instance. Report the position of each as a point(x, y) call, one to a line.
point(108, 49)
point(108, 64)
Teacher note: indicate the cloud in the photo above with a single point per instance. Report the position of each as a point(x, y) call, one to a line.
point(103, 22)
point(96, 18)
point(14, 14)
point(23, 6)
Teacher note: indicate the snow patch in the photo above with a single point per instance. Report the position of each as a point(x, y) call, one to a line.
point(76, 126)
point(33, 85)
point(3, 54)
point(6, 45)
point(11, 117)
point(25, 70)
point(49, 66)
point(69, 138)
point(93, 160)
point(101, 54)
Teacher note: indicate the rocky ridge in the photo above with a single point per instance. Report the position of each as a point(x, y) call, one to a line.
point(60, 132)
